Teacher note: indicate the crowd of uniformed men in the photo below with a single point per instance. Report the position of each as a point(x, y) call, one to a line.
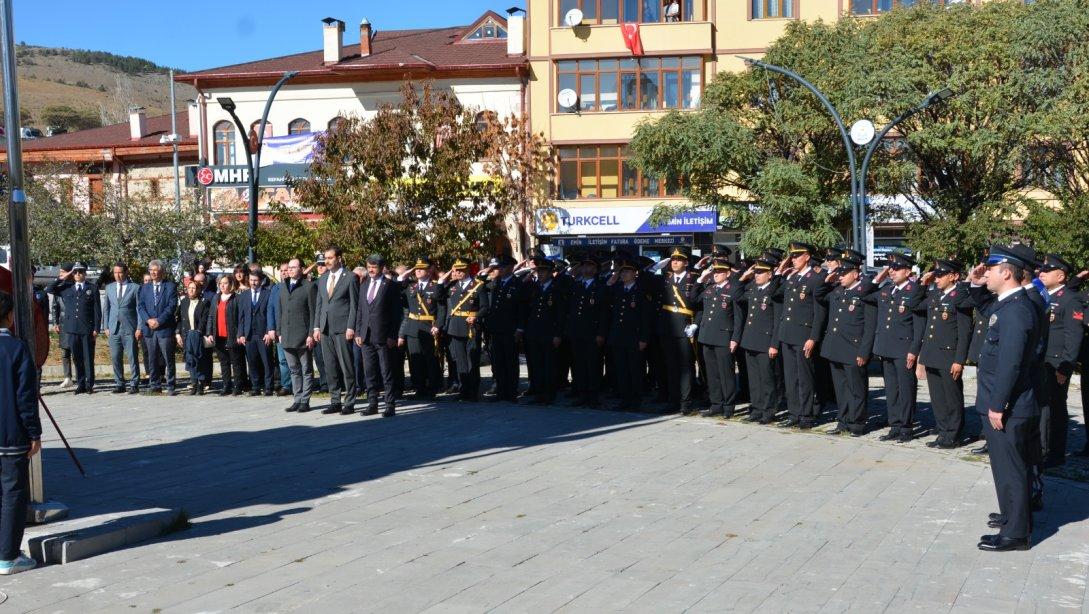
point(791, 329)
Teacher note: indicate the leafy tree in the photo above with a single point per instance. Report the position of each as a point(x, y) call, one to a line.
point(287, 236)
point(65, 116)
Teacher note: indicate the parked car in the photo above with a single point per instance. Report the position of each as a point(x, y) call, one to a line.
point(55, 130)
point(27, 132)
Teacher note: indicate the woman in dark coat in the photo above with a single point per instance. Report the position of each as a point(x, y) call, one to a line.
point(191, 335)
point(223, 332)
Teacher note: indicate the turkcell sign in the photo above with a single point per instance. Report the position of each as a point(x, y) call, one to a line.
point(238, 175)
point(620, 220)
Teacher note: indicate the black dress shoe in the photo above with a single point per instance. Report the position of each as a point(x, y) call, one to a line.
point(493, 399)
point(996, 524)
point(839, 430)
point(237, 393)
point(347, 410)
point(706, 413)
point(1004, 544)
point(889, 436)
point(255, 393)
point(980, 450)
point(118, 390)
point(283, 392)
point(750, 418)
point(269, 393)
point(134, 390)
point(303, 408)
point(332, 409)
point(370, 411)
point(806, 425)
point(79, 390)
point(765, 420)
point(905, 437)
point(933, 444)
point(995, 516)
point(194, 390)
point(89, 390)
point(389, 412)
point(988, 538)
point(789, 422)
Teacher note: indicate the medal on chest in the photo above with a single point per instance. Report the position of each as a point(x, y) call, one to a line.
point(945, 315)
point(801, 295)
point(903, 307)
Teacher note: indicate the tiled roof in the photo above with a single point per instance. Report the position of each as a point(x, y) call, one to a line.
point(115, 135)
point(435, 49)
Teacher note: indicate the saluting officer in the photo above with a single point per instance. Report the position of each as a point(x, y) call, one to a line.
point(420, 330)
point(759, 339)
point(848, 340)
point(502, 320)
point(631, 317)
point(1006, 399)
point(465, 306)
point(948, 312)
point(82, 320)
point(800, 332)
point(587, 322)
point(679, 293)
point(897, 342)
point(720, 327)
point(541, 331)
point(1065, 314)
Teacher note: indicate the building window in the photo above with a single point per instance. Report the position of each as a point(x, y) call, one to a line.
point(298, 126)
point(223, 141)
point(631, 84)
point(336, 123)
point(875, 7)
point(489, 30)
point(606, 172)
point(771, 9)
point(484, 119)
point(634, 11)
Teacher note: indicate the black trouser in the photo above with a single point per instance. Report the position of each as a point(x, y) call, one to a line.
point(232, 364)
point(466, 353)
point(261, 365)
point(563, 363)
point(901, 387)
point(83, 357)
point(680, 369)
point(653, 366)
point(505, 368)
point(541, 362)
point(798, 379)
point(198, 359)
point(627, 368)
point(358, 370)
point(947, 402)
point(585, 367)
point(339, 372)
point(744, 391)
point(14, 498)
point(763, 385)
point(822, 380)
point(423, 364)
point(849, 381)
point(319, 362)
point(160, 351)
point(721, 383)
point(1054, 418)
point(378, 372)
point(452, 378)
point(1013, 452)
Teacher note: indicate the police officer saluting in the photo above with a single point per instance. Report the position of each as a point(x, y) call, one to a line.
point(720, 325)
point(541, 331)
point(759, 339)
point(848, 340)
point(948, 313)
point(800, 332)
point(630, 326)
point(587, 322)
point(897, 342)
point(1006, 399)
point(465, 306)
point(82, 320)
point(1065, 314)
point(420, 330)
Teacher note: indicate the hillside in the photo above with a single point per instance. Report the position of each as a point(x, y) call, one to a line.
point(97, 82)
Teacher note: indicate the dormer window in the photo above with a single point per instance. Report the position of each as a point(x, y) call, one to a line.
point(489, 30)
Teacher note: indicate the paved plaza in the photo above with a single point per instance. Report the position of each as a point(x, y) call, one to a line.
point(475, 507)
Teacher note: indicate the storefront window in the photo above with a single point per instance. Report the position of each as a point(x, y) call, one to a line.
point(605, 171)
point(630, 84)
point(610, 12)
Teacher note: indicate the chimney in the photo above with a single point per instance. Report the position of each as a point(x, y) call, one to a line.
point(194, 118)
point(516, 31)
point(137, 123)
point(333, 38)
point(365, 38)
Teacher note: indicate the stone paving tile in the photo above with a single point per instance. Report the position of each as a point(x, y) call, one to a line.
point(481, 507)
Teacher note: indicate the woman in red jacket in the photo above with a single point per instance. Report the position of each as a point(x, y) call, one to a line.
point(223, 332)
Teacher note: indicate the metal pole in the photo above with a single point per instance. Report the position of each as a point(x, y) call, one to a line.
point(870, 150)
point(174, 137)
point(249, 163)
point(856, 231)
point(255, 165)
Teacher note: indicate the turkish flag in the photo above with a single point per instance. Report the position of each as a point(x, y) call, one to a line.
point(631, 38)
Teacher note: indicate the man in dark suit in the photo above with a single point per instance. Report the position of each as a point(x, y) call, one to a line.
point(381, 305)
point(466, 304)
point(759, 339)
point(420, 332)
point(587, 322)
point(334, 328)
point(948, 312)
point(253, 331)
point(504, 313)
point(541, 331)
point(631, 325)
point(848, 340)
point(82, 320)
point(121, 323)
point(157, 304)
point(297, 300)
point(800, 332)
point(1006, 399)
point(720, 325)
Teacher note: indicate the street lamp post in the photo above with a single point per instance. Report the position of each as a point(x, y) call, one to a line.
point(253, 159)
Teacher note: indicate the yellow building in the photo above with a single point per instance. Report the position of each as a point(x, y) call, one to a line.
point(588, 90)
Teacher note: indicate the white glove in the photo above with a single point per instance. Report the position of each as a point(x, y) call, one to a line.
point(690, 330)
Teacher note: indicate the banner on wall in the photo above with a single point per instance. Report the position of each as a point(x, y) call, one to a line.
point(620, 220)
point(290, 149)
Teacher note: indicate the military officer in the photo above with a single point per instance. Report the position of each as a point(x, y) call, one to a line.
point(1064, 316)
point(759, 339)
point(466, 304)
point(679, 293)
point(426, 301)
point(504, 294)
point(541, 331)
point(82, 320)
point(587, 322)
point(897, 342)
point(800, 332)
point(848, 340)
point(1006, 399)
point(948, 329)
point(631, 317)
point(720, 327)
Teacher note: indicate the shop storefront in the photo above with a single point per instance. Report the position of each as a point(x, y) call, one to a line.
point(635, 228)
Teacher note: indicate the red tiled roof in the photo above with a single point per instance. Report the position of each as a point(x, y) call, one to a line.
point(394, 50)
point(115, 135)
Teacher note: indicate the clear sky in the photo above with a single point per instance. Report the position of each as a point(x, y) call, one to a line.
point(196, 34)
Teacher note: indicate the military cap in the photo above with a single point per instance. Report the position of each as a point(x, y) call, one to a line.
point(589, 257)
point(504, 260)
point(320, 259)
point(67, 266)
point(460, 264)
point(644, 261)
point(900, 261)
point(775, 253)
point(536, 252)
point(721, 264)
point(422, 263)
point(798, 247)
point(849, 260)
point(1025, 253)
point(945, 267)
point(681, 252)
point(1007, 254)
point(832, 253)
point(718, 250)
point(1055, 262)
point(626, 263)
point(765, 264)
point(78, 266)
point(543, 263)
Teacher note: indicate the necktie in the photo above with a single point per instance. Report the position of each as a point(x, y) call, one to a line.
point(79, 288)
point(372, 291)
point(256, 296)
point(332, 283)
point(120, 291)
point(156, 292)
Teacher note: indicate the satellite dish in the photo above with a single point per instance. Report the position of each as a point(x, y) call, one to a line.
point(862, 132)
point(573, 18)
point(568, 98)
